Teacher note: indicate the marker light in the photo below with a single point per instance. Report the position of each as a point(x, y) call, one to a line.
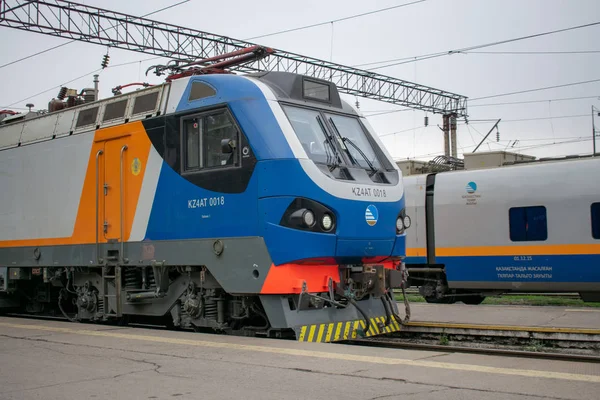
point(406, 222)
point(326, 222)
point(308, 217)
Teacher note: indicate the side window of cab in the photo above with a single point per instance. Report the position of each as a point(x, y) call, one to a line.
point(210, 141)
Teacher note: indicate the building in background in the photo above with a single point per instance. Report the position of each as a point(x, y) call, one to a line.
point(471, 161)
point(493, 159)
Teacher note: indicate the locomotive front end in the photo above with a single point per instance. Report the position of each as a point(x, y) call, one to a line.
point(333, 218)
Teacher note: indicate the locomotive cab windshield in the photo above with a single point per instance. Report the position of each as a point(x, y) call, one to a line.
point(329, 129)
point(335, 140)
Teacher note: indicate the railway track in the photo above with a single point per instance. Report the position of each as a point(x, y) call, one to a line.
point(566, 344)
point(572, 344)
point(401, 344)
point(415, 292)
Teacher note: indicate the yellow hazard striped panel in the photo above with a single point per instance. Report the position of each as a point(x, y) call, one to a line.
point(344, 330)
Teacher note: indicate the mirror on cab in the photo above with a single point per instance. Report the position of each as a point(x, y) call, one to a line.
point(227, 146)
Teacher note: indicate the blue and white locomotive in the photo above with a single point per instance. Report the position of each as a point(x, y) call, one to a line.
point(255, 204)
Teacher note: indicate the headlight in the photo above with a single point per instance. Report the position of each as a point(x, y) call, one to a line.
point(309, 215)
point(309, 218)
point(399, 226)
point(406, 222)
point(327, 222)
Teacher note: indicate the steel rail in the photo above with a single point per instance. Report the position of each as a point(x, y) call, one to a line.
point(398, 344)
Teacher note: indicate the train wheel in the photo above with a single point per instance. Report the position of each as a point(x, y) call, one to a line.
point(473, 300)
point(443, 300)
point(590, 297)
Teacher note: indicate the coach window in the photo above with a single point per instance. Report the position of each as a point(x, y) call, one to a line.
point(595, 209)
point(528, 224)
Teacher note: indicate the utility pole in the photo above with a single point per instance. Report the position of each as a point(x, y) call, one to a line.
point(453, 135)
point(449, 129)
point(446, 130)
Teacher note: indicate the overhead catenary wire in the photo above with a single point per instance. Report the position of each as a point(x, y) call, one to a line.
point(535, 101)
point(464, 49)
point(542, 139)
point(534, 119)
point(534, 52)
point(484, 121)
point(406, 60)
point(469, 49)
point(376, 113)
point(395, 133)
point(255, 37)
point(482, 52)
point(535, 90)
point(35, 54)
point(373, 113)
point(335, 20)
point(54, 87)
point(99, 70)
point(185, 1)
point(520, 148)
point(74, 40)
point(184, 46)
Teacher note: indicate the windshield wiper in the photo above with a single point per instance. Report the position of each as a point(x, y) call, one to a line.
point(346, 139)
point(335, 164)
point(371, 166)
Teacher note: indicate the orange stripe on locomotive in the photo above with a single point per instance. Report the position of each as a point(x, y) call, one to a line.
point(135, 160)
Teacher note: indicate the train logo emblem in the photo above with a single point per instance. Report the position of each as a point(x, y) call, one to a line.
point(471, 187)
point(136, 166)
point(371, 215)
point(471, 197)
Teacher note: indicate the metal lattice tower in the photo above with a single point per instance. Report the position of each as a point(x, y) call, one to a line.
point(109, 28)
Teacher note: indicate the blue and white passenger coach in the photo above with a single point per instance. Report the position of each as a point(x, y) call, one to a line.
point(259, 203)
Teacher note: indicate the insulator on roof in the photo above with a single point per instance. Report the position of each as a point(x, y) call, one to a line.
point(62, 93)
point(89, 95)
point(56, 105)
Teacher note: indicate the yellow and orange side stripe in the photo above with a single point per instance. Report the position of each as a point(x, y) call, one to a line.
point(537, 250)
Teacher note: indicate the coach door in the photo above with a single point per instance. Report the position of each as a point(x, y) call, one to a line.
point(112, 183)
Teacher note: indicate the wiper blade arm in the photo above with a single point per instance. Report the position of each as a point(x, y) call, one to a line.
point(346, 139)
point(336, 162)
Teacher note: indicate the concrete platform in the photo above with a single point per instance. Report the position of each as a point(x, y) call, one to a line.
point(491, 315)
point(60, 360)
